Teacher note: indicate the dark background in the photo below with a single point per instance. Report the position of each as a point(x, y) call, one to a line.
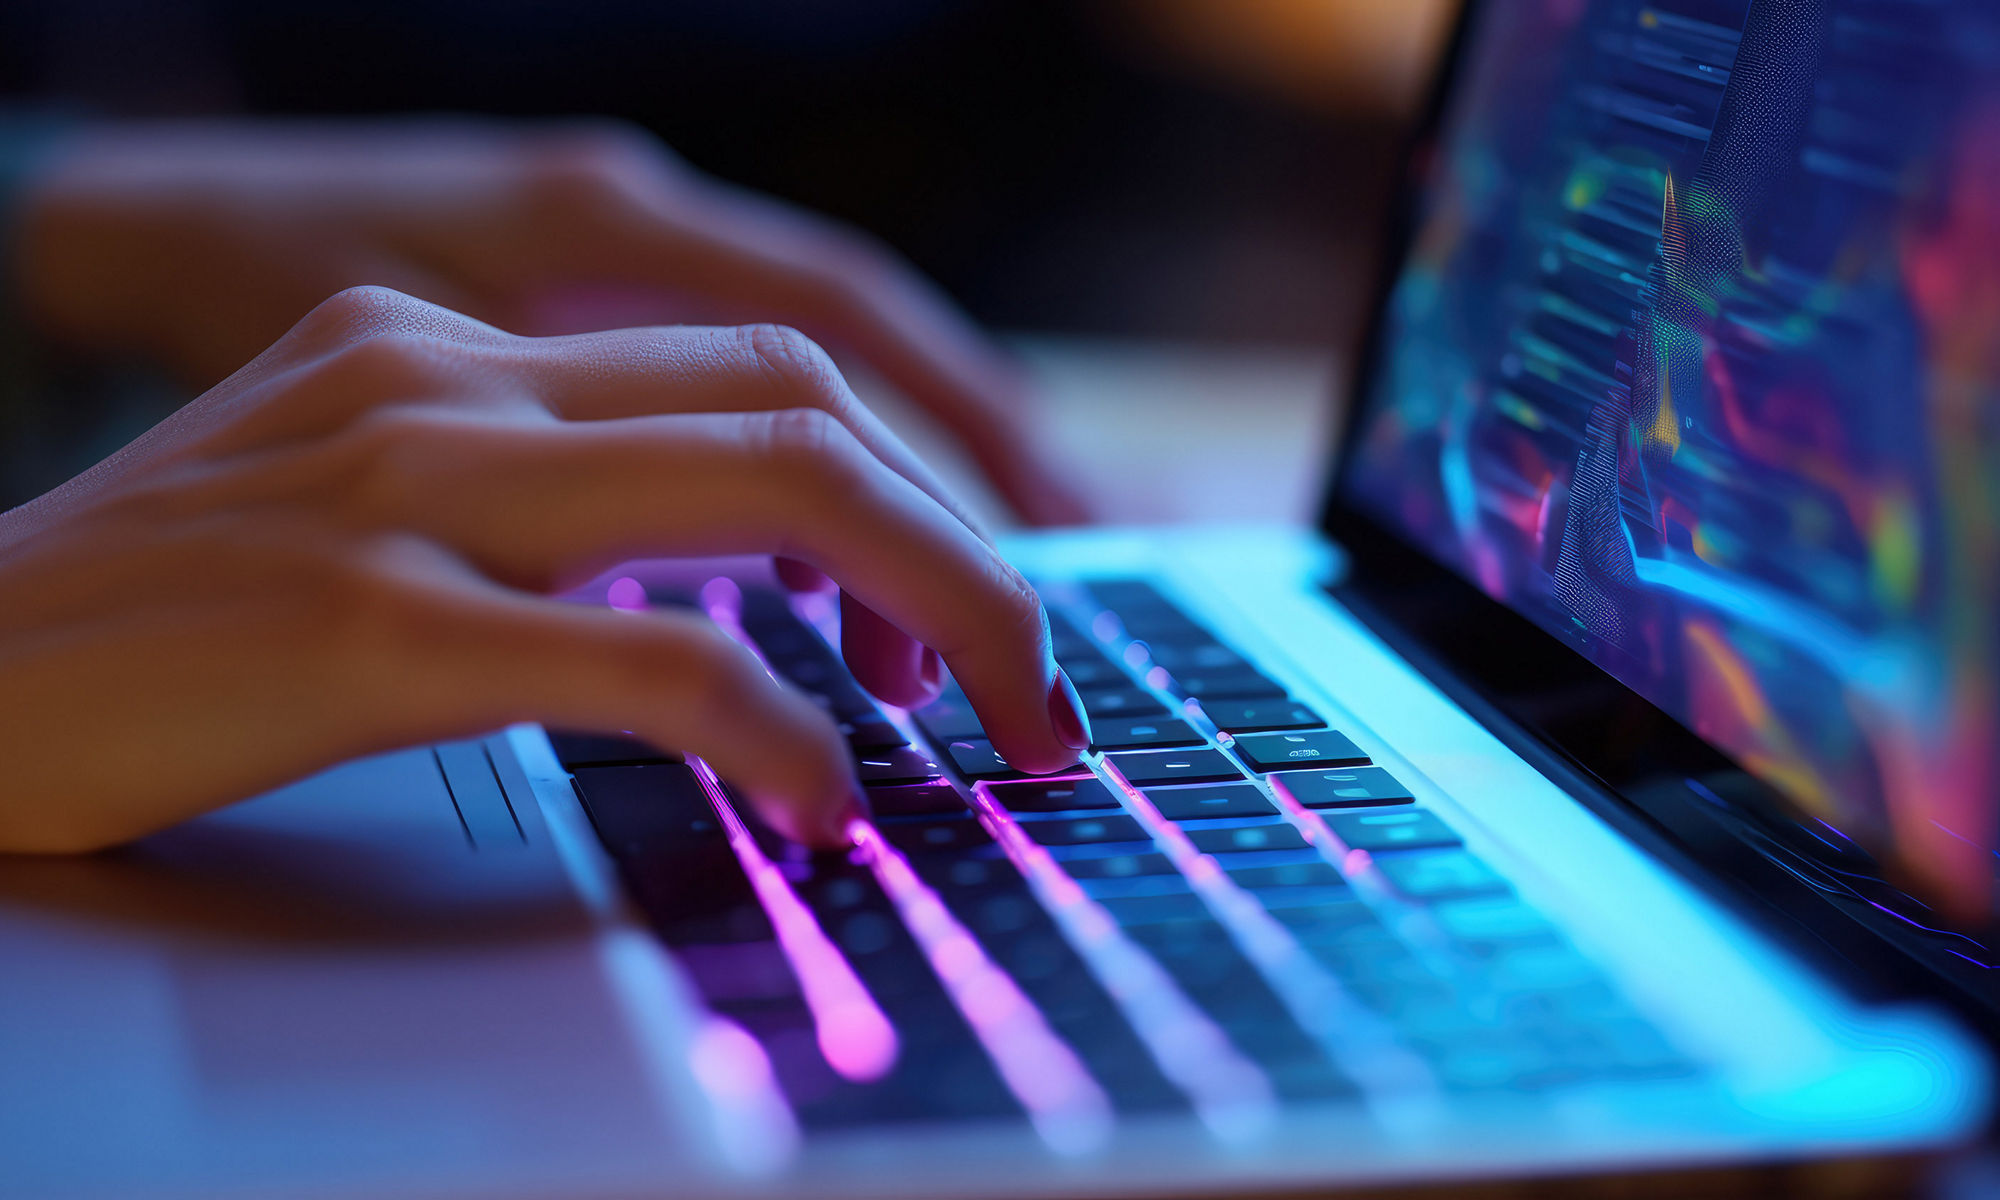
point(1056, 166)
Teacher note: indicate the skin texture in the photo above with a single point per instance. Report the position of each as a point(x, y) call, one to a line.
point(350, 544)
point(198, 243)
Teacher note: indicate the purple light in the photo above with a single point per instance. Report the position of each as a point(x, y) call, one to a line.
point(1067, 1108)
point(853, 1034)
point(626, 594)
point(1229, 1093)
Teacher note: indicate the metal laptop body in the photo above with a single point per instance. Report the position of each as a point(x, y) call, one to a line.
point(422, 974)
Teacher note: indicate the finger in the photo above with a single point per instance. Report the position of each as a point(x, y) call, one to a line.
point(487, 657)
point(638, 372)
point(885, 660)
point(799, 577)
point(768, 261)
point(544, 505)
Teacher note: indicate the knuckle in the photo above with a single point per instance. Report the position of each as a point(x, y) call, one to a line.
point(810, 448)
point(801, 369)
point(359, 312)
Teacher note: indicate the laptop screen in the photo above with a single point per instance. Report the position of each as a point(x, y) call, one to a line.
point(1695, 362)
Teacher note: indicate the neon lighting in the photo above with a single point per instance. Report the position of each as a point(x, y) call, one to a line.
point(626, 594)
point(755, 1129)
point(856, 1038)
point(1229, 1093)
point(1065, 1105)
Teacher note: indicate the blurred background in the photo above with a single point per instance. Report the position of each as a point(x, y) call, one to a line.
point(1160, 200)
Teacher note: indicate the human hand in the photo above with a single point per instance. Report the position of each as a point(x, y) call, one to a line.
point(349, 545)
point(199, 243)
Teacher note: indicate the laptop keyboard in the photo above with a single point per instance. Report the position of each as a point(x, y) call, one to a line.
point(1226, 908)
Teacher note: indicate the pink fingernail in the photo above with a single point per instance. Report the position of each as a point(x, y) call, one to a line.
point(1066, 714)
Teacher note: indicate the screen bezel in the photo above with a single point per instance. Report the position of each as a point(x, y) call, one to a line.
point(1629, 759)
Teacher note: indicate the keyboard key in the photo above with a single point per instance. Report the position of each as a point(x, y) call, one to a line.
point(1190, 766)
point(1120, 866)
point(1225, 800)
point(574, 749)
point(1244, 684)
point(1351, 787)
point(904, 765)
point(1404, 829)
point(1163, 626)
point(1249, 716)
point(1298, 751)
point(872, 733)
point(935, 837)
point(1243, 838)
point(1142, 910)
point(1436, 874)
point(1085, 830)
point(1115, 594)
point(1131, 733)
point(949, 720)
point(1121, 702)
point(1189, 659)
point(647, 803)
point(936, 798)
point(1299, 874)
point(968, 876)
point(977, 759)
point(1093, 672)
point(1054, 795)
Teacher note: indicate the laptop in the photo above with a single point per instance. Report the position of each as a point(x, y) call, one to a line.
point(1559, 809)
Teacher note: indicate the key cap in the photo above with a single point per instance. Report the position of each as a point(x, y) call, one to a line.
point(1120, 866)
point(920, 800)
point(1223, 800)
point(1186, 766)
point(1093, 672)
point(1298, 751)
point(1275, 836)
point(1249, 716)
point(1300, 874)
point(1436, 874)
point(1083, 830)
point(638, 805)
point(1404, 829)
point(1162, 627)
point(1115, 594)
point(949, 720)
point(935, 837)
point(1351, 787)
point(1055, 795)
point(905, 765)
point(1187, 659)
point(1121, 702)
point(872, 733)
point(1227, 685)
point(1142, 910)
point(575, 749)
point(1128, 733)
point(977, 759)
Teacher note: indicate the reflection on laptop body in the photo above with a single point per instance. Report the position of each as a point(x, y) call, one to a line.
point(1533, 831)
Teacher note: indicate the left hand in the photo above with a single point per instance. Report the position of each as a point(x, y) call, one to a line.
point(199, 243)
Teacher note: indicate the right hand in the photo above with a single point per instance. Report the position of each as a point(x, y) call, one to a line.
point(349, 545)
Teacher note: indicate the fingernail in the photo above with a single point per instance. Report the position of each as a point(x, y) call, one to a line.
point(1066, 714)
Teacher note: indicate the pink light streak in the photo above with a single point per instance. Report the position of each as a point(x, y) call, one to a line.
point(853, 1033)
point(1229, 1093)
point(1066, 1106)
